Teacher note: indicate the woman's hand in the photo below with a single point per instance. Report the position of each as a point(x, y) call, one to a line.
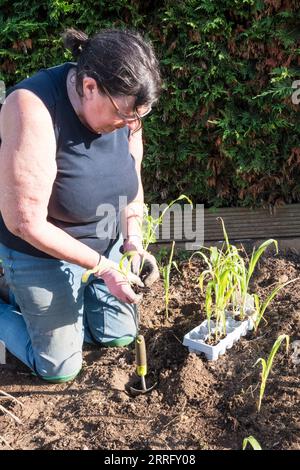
point(143, 264)
point(119, 282)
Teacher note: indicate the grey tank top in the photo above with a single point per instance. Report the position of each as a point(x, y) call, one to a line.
point(96, 174)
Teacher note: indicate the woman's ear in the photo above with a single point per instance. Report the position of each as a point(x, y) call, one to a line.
point(89, 87)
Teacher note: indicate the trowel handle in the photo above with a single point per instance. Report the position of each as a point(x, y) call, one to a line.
point(141, 356)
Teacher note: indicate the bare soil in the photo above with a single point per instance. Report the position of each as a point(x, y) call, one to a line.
point(195, 405)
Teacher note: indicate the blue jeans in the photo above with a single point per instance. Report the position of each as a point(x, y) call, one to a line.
point(51, 313)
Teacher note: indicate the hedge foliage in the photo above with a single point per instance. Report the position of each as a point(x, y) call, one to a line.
point(225, 131)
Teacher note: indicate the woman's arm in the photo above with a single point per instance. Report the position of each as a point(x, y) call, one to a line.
point(143, 263)
point(28, 170)
point(134, 211)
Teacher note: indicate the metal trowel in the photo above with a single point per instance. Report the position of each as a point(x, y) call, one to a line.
point(141, 366)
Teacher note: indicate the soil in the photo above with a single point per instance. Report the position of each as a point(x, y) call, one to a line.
point(195, 404)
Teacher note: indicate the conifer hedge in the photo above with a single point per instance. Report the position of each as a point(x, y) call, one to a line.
point(225, 131)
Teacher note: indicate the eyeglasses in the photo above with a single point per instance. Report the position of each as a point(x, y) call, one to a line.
point(136, 117)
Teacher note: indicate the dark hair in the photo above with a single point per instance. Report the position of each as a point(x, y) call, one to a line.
point(121, 60)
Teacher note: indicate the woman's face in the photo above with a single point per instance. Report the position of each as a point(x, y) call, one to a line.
point(103, 114)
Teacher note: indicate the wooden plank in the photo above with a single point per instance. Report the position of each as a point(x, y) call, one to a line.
point(244, 224)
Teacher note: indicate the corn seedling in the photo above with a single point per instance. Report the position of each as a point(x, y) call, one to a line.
point(228, 278)
point(267, 365)
point(253, 442)
point(150, 224)
point(125, 264)
point(247, 272)
point(220, 287)
point(125, 267)
point(260, 307)
point(241, 272)
point(166, 270)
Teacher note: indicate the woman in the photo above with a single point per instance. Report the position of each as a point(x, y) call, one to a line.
point(70, 161)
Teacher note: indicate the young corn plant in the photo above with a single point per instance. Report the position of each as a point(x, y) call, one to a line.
point(150, 224)
point(260, 307)
point(243, 272)
point(267, 365)
point(124, 266)
point(247, 272)
point(125, 262)
point(253, 442)
point(166, 270)
point(228, 278)
point(219, 289)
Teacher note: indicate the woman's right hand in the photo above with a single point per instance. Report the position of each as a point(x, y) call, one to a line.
point(118, 281)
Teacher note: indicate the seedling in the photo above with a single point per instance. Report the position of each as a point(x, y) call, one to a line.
point(253, 442)
point(228, 279)
point(243, 273)
point(226, 296)
point(150, 224)
point(260, 307)
point(123, 269)
point(220, 287)
point(166, 270)
point(125, 263)
point(266, 366)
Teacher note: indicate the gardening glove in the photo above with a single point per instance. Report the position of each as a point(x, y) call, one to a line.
point(143, 264)
point(117, 281)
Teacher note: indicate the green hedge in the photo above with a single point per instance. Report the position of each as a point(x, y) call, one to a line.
point(225, 131)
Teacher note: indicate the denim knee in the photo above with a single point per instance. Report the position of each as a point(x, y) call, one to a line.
point(107, 320)
point(57, 371)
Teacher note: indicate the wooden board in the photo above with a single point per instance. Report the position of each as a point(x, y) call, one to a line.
point(244, 224)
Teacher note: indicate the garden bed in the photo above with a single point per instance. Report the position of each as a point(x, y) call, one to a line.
point(196, 405)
